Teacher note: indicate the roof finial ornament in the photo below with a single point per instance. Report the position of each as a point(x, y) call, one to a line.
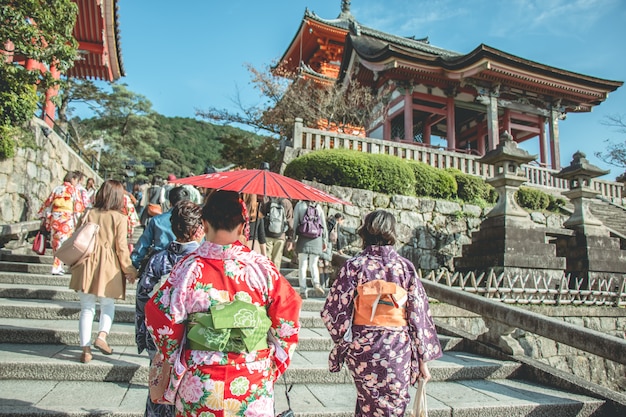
point(345, 10)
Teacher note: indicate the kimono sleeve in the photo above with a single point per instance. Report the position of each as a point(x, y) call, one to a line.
point(284, 312)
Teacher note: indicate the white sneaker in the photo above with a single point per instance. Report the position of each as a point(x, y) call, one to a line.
point(303, 294)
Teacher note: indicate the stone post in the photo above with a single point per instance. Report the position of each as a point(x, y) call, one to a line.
point(297, 133)
point(508, 241)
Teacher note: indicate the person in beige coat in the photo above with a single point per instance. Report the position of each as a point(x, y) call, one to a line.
point(102, 276)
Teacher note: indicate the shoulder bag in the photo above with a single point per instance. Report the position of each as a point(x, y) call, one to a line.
point(80, 245)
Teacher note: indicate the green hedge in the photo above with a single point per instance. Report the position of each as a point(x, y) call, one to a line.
point(532, 199)
point(381, 173)
point(473, 189)
point(392, 175)
point(432, 182)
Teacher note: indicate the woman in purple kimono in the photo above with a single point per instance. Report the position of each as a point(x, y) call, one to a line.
point(378, 316)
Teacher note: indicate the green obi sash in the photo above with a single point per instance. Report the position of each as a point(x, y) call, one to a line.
point(229, 327)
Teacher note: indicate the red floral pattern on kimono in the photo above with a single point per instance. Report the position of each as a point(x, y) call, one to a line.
point(211, 383)
point(131, 213)
point(382, 360)
point(61, 211)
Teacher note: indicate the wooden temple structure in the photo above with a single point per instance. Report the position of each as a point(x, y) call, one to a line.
point(98, 36)
point(425, 92)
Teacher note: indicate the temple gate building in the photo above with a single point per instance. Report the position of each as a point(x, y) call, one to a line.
point(100, 57)
point(430, 96)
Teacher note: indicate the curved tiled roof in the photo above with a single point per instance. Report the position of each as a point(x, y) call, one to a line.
point(351, 25)
point(98, 35)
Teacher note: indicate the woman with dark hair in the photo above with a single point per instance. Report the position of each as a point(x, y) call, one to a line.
point(378, 316)
point(60, 213)
point(226, 320)
point(102, 276)
point(187, 226)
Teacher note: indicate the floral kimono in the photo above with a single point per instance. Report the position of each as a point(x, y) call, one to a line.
point(61, 211)
point(382, 355)
point(217, 383)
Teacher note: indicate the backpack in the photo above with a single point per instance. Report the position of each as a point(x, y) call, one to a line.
point(311, 224)
point(275, 223)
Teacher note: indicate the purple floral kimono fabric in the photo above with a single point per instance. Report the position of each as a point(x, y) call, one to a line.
point(383, 360)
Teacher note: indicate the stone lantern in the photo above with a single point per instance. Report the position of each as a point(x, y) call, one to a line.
point(507, 159)
point(578, 175)
point(591, 252)
point(508, 241)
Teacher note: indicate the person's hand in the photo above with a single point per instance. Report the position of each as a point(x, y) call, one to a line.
point(324, 247)
point(289, 246)
point(131, 277)
point(424, 372)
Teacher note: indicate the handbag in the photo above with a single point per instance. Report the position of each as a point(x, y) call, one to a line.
point(420, 408)
point(39, 244)
point(159, 379)
point(154, 209)
point(80, 245)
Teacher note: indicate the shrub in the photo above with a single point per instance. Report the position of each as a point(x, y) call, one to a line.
point(432, 182)
point(347, 168)
point(473, 189)
point(556, 204)
point(7, 144)
point(532, 199)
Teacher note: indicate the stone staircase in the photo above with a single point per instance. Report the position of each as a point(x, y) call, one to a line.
point(40, 372)
point(611, 215)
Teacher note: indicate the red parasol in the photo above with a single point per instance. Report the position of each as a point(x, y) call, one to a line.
point(261, 182)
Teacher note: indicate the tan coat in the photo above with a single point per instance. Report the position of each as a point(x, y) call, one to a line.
point(102, 273)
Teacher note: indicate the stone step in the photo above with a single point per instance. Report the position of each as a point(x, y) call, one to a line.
point(124, 313)
point(45, 331)
point(55, 362)
point(487, 398)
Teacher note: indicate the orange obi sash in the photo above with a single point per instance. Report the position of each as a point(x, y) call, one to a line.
point(380, 303)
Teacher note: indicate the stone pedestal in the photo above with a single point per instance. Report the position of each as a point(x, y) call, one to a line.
point(508, 241)
point(592, 252)
point(510, 247)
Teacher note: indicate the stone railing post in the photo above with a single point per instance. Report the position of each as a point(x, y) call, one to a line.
point(297, 133)
point(499, 335)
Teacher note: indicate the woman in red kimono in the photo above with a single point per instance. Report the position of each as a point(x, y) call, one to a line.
point(219, 274)
point(61, 211)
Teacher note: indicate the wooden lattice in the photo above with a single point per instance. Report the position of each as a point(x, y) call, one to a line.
point(537, 289)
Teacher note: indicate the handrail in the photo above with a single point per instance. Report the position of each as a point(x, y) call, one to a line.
point(71, 142)
point(588, 340)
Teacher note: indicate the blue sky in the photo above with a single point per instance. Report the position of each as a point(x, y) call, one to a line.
point(190, 54)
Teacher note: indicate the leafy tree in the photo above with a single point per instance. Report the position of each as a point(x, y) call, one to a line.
point(76, 91)
point(125, 125)
point(615, 153)
point(38, 30)
point(286, 96)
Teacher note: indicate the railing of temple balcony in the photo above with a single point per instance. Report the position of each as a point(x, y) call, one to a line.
point(314, 139)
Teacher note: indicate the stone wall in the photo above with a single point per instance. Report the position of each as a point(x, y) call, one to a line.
point(27, 179)
point(430, 232)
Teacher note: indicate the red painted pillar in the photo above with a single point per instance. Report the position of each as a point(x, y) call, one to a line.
point(543, 143)
point(506, 121)
point(408, 115)
point(451, 123)
point(426, 133)
point(49, 107)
